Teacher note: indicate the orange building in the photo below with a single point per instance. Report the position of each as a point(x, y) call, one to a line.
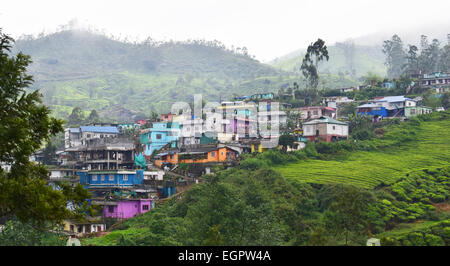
point(167, 117)
point(197, 155)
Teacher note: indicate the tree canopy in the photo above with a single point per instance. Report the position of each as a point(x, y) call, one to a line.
point(315, 53)
point(25, 125)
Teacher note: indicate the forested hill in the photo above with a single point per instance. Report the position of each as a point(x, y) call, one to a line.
point(90, 70)
point(346, 58)
point(76, 53)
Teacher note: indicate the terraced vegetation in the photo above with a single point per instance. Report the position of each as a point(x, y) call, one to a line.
point(266, 201)
point(426, 145)
point(421, 233)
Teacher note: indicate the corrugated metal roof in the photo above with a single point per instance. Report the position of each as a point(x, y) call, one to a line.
point(368, 105)
point(324, 119)
point(393, 99)
point(112, 130)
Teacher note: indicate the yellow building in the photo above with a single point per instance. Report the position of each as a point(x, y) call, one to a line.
point(92, 225)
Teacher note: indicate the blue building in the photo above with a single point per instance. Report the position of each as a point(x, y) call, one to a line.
point(389, 106)
point(161, 134)
point(111, 178)
point(372, 109)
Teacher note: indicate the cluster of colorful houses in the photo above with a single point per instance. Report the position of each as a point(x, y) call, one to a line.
point(126, 175)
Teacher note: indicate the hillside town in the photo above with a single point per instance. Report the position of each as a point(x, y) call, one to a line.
point(131, 174)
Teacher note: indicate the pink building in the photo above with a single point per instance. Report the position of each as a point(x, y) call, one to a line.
point(125, 209)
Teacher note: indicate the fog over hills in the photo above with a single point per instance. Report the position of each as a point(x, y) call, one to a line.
point(368, 55)
point(122, 79)
point(82, 68)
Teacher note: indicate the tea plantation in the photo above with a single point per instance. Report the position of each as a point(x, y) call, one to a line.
point(427, 145)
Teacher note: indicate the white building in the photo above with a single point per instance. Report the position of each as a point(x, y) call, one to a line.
point(75, 137)
point(325, 129)
point(153, 175)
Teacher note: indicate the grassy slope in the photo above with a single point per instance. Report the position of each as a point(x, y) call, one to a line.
point(369, 169)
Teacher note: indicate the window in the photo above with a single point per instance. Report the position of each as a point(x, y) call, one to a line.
point(158, 136)
point(111, 178)
point(125, 177)
point(316, 112)
point(145, 207)
point(94, 178)
point(171, 156)
point(110, 209)
point(413, 111)
point(104, 177)
point(213, 154)
point(72, 228)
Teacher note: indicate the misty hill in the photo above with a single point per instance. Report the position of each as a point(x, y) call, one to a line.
point(122, 80)
point(343, 58)
point(81, 68)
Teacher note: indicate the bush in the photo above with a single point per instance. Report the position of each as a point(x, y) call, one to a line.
point(433, 240)
point(252, 164)
point(310, 151)
point(363, 134)
point(416, 239)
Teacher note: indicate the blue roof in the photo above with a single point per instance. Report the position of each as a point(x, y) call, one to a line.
point(100, 129)
point(74, 130)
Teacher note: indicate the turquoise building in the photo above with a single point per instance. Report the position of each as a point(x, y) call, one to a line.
point(161, 134)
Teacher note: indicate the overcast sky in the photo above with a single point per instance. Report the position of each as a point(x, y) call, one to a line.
point(268, 28)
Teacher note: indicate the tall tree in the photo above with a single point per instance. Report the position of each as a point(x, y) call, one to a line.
point(76, 118)
point(434, 52)
point(24, 125)
point(49, 154)
point(412, 63)
point(347, 217)
point(429, 55)
point(315, 53)
point(93, 117)
point(444, 58)
point(349, 54)
point(395, 56)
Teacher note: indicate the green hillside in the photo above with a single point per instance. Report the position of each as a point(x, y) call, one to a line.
point(79, 68)
point(428, 147)
point(398, 190)
point(365, 59)
point(121, 79)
